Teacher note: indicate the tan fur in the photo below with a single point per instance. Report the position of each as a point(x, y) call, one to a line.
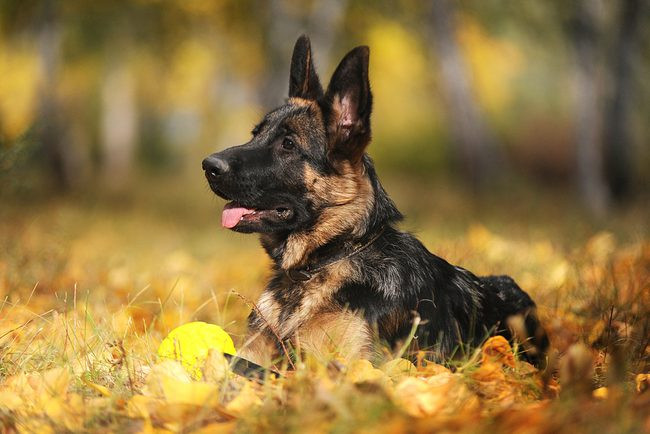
point(347, 198)
point(335, 335)
point(301, 102)
point(258, 347)
point(316, 301)
point(307, 125)
point(316, 297)
point(268, 309)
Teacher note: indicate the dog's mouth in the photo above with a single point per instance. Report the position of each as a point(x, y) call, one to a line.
point(234, 214)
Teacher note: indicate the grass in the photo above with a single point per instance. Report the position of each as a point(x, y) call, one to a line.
point(90, 285)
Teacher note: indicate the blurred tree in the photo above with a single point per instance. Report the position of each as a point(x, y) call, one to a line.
point(591, 183)
point(617, 141)
point(476, 145)
point(61, 156)
point(119, 124)
point(285, 21)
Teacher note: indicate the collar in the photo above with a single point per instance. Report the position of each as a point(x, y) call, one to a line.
point(331, 254)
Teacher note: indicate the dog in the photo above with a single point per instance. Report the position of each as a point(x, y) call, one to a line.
point(345, 280)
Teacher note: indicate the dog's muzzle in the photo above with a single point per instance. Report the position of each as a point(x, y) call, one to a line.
point(214, 167)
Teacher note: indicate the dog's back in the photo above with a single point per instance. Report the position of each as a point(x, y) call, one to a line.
point(397, 277)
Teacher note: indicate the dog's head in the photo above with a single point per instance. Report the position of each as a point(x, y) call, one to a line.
point(305, 157)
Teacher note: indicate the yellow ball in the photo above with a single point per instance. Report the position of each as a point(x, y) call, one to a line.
point(190, 343)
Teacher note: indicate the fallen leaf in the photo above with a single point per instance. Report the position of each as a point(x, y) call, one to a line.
point(10, 400)
point(428, 369)
point(166, 368)
point(361, 370)
point(642, 382)
point(247, 399)
point(497, 350)
point(96, 387)
point(439, 394)
point(216, 367)
point(600, 393)
point(398, 369)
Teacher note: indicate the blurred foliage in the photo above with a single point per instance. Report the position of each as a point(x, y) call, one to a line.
point(200, 69)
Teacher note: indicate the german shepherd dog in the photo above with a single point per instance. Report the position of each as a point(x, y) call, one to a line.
point(344, 277)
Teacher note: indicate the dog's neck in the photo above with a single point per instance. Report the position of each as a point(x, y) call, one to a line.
point(338, 228)
point(367, 210)
point(337, 250)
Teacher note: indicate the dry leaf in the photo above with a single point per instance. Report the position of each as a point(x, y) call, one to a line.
point(166, 368)
point(600, 393)
point(10, 400)
point(216, 367)
point(428, 369)
point(247, 399)
point(440, 394)
point(497, 350)
point(360, 371)
point(642, 382)
point(398, 369)
point(96, 387)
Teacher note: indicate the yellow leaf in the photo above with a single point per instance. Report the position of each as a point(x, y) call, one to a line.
point(444, 393)
point(217, 428)
point(166, 368)
point(96, 387)
point(10, 400)
point(247, 399)
point(398, 369)
point(138, 406)
point(600, 393)
point(68, 414)
point(428, 369)
point(216, 367)
point(361, 370)
point(56, 381)
point(178, 391)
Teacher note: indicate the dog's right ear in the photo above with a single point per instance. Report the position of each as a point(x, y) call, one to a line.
point(303, 80)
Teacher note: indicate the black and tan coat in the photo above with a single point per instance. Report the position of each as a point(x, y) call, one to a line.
point(345, 280)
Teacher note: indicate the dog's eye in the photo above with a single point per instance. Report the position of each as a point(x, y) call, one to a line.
point(288, 144)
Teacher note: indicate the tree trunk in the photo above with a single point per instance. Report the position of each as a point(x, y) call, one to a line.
point(475, 145)
point(118, 126)
point(617, 141)
point(64, 141)
point(50, 114)
point(589, 155)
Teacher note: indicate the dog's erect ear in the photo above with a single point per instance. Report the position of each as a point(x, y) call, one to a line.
point(303, 80)
point(348, 104)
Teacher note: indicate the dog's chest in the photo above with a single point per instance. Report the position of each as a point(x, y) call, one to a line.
point(285, 305)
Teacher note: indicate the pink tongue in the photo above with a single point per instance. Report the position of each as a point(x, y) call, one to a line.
point(231, 216)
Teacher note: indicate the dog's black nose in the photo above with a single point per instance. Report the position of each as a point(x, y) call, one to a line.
point(215, 166)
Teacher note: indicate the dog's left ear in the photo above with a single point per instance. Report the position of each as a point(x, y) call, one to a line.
point(303, 80)
point(348, 104)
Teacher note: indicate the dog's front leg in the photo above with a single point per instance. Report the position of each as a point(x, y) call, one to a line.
point(335, 335)
point(258, 347)
point(262, 341)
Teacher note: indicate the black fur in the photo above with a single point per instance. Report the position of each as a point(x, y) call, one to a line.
point(391, 276)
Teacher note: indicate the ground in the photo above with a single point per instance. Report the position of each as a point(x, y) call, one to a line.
point(91, 285)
